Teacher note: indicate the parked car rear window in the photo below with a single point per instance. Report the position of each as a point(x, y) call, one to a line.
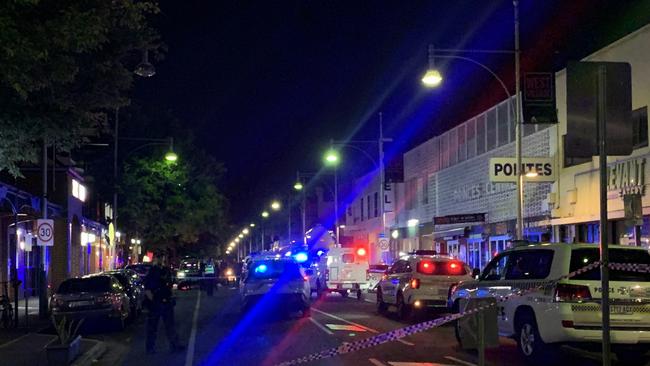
point(348, 258)
point(274, 270)
point(90, 284)
point(584, 256)
point(529, 264)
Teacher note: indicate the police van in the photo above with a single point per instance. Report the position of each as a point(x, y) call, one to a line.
point(347, 270)
point(273, 280)
point(541, 313)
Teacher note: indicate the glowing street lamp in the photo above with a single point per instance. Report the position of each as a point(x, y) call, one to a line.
point(245, 231)
point(265, 214)
point(252, 225)
point(432, 78)
point(240, 236)
point(298, 186)
point(275, 205)
point(331, 157)
point(171, 156)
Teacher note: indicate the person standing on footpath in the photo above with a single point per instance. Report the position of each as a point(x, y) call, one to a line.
point(160, 302)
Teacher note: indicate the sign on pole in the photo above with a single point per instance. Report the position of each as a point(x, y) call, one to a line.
point(539, 98)
point(535, 170)
point(384, 244)
point(45, 232)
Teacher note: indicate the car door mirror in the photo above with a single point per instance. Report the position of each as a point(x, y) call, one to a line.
point(476, 273)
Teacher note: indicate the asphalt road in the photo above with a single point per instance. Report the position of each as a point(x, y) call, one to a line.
point(216, 333)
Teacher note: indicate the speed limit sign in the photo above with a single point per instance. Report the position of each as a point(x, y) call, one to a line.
point(45, 232)
point(384, 244)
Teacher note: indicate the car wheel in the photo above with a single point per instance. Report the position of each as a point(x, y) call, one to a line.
point(381, 305)
point(530, 343)
point(403, 309)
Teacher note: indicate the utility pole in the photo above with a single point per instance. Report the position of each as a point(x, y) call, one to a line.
point(518, 136)
point(40, 266)
point(115, 146)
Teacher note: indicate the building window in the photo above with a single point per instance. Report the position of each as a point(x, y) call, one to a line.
point(453, 147)
point(462, 147)
point(491, 129)
point(502, 124)
point(425, 191)
point(444, 151)
point(471, 139)
point(78, 190)
point(480, 134)
point(511, 119)
point(361, 208)
point(369, 206)
point(640, 127)
point(376, 204)
point(411, 193)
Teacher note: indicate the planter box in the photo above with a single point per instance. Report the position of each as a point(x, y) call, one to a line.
point(62, 354)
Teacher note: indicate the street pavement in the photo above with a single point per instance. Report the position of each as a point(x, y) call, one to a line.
point(216, 333)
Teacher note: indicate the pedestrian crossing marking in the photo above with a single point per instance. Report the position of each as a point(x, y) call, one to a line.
point(351, 328)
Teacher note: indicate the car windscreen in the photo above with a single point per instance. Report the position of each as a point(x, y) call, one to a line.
point(90, 284)
point(584, 256)
point(121, 278)
point(273, 269)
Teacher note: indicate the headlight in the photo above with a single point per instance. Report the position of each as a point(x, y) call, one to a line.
point(229, 272)
point(181, 275)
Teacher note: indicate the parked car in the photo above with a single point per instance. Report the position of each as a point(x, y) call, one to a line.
point(374, 274)
point(134, 289)
point(94, 297)
point(566, 311)
point(418, 282)
point(189, 271)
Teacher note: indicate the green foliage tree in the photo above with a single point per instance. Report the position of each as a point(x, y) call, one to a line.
point(172, 203)
point(64, 64)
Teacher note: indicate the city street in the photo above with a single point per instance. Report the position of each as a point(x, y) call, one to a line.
point(223, 337)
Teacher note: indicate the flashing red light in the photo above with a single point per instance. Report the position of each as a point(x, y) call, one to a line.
point(361, 252)
point(306, 278)
point(455, 267)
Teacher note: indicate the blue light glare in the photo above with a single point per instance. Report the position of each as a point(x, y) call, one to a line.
point(320, 252)
point(261, 268)
point(301, 257)
point(287, 254)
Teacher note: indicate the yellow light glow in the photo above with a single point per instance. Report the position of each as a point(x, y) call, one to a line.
point(245, 231)
point(275, 205)
point(298, 186)
point(532, 174)
point(265, 214)
point(417, 303)
point(432, 78)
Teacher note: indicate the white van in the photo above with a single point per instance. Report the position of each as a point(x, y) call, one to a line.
point(346, 270)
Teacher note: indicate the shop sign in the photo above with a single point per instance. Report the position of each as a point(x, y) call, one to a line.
point(539, 98)
point(459, 219)
point(503, 170)
point(627, 177)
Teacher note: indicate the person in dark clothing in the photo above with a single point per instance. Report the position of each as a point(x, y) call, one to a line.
point(160, 302)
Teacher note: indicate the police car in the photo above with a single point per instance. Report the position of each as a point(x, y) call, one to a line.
point(419, 281)
point(272, 280)
point(550, 313)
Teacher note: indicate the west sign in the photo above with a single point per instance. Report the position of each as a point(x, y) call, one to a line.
point(535, 170)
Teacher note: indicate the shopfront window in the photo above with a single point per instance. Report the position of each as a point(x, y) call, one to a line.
point(640, 127)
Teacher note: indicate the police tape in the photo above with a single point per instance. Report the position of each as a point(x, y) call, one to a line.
point(421, 327)
point(630, 267)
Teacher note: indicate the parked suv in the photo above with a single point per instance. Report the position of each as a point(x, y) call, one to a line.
point(418, 282)
point(568, 311)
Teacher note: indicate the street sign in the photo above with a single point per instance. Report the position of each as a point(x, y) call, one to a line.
point(505, 170)
point(581, 139)
point(539, 98)
point(45, 232)
point(384, 244)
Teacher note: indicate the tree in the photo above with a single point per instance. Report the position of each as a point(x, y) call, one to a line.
point(172, 203)
point(64, 64)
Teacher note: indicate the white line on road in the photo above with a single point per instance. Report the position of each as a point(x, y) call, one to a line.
point(376, 362)
point(460, 361)
point(358, 325)
point(319, 325)
point(189, 357)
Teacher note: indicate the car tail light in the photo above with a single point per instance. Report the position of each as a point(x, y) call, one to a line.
point(361, 252)
point(454, 267)
point(426, 267)
point(415, 283)
point(565, 292)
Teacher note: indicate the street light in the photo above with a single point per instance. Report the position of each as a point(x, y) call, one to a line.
point(298, 186)
point(245, 231)
point(240, 236)
point(145, 69)
point(432, 78)
point(252, 225)
point(265, 214)
point(275, 205)
point(171, 156)
point(331, 157)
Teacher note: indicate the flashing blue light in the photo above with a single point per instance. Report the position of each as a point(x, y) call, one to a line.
point(320, 252)
point(301, 257)
point(287, 254)
point(261, 268)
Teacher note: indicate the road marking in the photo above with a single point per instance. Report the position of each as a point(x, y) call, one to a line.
point(351, 328)
point(319, 325)
point(460, 361)
point(189, 357)
point(376, 362)
point(358, 325)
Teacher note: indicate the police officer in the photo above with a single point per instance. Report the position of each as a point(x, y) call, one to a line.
point(160, 302)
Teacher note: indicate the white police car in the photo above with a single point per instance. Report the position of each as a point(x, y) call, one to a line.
point(419, 281)
point(550, 313)
point(272, 280)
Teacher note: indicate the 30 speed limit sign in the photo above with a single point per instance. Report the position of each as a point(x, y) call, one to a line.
point(45, 232)
point(384, 244)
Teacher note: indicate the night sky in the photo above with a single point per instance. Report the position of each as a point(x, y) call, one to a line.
point(266, 84)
